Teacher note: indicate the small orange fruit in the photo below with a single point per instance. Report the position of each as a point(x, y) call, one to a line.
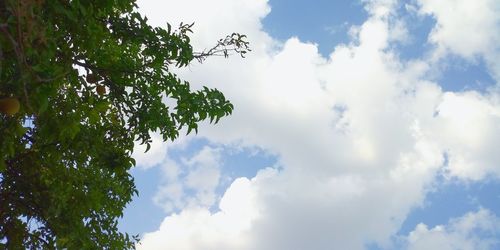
point(9, 105)
point(101, 90)
point(92, 78)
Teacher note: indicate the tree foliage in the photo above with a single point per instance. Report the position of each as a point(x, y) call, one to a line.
point(89, 78)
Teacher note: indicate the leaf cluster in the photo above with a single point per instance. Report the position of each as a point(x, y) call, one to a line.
point(92, 77)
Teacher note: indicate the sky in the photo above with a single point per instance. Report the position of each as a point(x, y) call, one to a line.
point(365, 124)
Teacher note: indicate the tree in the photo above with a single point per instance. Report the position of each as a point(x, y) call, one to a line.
point(80, 82)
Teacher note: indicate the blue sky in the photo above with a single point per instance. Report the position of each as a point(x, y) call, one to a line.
point(410, 161)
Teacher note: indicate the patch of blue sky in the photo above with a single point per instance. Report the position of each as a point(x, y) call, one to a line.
point(323, 22)
point(246, 162)
point(327, 23)
point(142, 214)
point(452, 199)
point(241, 162)
point(454, 73)
point(373, 246)
point(236, 161)
point(189, 150)
point(458, 74)
point(419, 28)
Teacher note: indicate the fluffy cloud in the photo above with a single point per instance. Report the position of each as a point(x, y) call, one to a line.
point(476, 230)
point(158, 152)
point(213, 19)
point(468, 130)
point(466, 28)
point(359, 136)
point(197, 228)
point(199, 176)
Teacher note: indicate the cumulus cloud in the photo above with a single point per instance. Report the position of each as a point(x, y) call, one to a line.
point(466, 28)
point(158, 151)
point(197, 228)
point(359, 137)
point(473, 231)
point(467, 127)
point(213, 19)
point(197, 176)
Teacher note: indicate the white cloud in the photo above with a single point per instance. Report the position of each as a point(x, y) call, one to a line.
point(156, 154)
point(468, 128)
point(473, 231)
point(213, 19)
point(466, 28)
point(198, 176)
point(197, 228)
point(357, 138)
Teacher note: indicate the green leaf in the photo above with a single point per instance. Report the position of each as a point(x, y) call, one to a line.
point(72, 159)
point(3, 166)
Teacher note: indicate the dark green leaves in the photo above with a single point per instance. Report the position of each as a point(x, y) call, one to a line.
point(92, 78)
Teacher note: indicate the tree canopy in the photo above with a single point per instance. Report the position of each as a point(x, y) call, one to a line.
point(80, 82)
